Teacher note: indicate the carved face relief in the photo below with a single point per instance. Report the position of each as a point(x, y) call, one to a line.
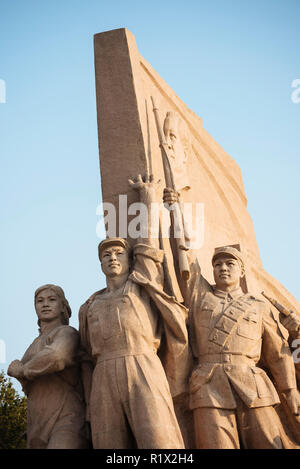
point(172, 137)
point(227, 272)
point(48, 305)
point(114, 261)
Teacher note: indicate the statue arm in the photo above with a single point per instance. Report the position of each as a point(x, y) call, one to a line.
point(148, 265)
point(150, 221)
point(87, 369)
point(276, 352)
point(196, 285)
point(55, 356)
point(148, 258)
point(87, 364)
point(15, 370)
point(292, 324)
point(278, 356)
point(148, 273)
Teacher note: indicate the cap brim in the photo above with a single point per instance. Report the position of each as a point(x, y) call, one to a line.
point(112, 242)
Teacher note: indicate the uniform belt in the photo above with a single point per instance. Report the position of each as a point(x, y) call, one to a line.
point(125, 353)
point(237, 359)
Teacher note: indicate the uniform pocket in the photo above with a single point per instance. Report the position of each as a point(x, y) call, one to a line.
point(261, 381)
point(204, 316)
point(200, 376)
point(249, 328)
point(110, 323)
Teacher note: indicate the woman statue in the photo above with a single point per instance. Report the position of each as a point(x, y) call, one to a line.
point(50, 377)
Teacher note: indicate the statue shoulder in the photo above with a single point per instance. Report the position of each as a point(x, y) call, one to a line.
point(65, 330)
point(256, 299)
point(209, 300)
point(85, 306)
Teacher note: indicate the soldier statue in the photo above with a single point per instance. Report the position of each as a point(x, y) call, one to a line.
point(231, 396)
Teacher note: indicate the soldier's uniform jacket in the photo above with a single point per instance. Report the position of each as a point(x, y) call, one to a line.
point(230, 334)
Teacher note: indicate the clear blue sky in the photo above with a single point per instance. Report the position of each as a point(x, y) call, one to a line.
point(231, 61)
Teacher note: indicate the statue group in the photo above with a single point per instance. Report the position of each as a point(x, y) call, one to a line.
point(113, 384)
point(209, 368)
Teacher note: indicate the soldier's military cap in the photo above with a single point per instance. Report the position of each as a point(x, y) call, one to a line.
point(112, 242)
point(229, 251)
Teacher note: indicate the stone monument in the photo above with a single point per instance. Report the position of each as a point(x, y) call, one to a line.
point(190, 343)
point(144, 128)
